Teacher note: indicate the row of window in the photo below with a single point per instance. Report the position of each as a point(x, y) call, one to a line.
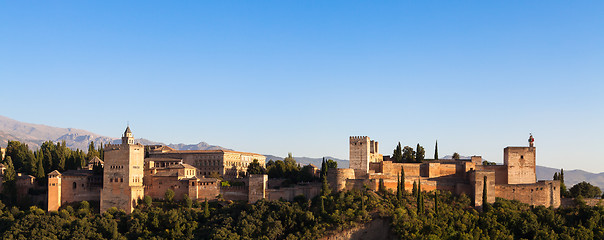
point(116, 167)
point(202, 183)
point(207, 163)
point(116, 180)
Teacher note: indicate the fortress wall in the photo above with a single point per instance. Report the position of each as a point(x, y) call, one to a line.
point(81, 192)
point(429, 169)
point(501, 172)
point(546, 193)
point(448, 170)
point(392, 169)
point(159, 185)
point(376, 167)
point(309, 191)
point(205, 190)
point(238, 193)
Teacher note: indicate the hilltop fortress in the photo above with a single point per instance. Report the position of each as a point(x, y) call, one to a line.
point(131, 171)
point(515, 179)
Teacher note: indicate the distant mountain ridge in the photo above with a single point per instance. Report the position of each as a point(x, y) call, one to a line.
point(36, 134)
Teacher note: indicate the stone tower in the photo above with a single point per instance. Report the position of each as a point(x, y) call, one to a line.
point(360, 154)
point(123, 174)
point(54, 191)
point(520, 162)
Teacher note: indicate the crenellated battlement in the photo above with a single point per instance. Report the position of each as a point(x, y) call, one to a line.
point(359, 138)
point(112, 146)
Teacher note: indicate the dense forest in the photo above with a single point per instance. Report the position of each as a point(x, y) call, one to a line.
point(427, 215)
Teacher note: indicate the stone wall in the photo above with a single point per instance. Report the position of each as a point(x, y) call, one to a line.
point(308, 191)
point(235, 193)
point(78, 188)
point(546, 193)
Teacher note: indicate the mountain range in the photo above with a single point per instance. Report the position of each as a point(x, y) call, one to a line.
point(35, 134)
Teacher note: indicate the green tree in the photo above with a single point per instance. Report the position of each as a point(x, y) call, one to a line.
point(456, 156)
point(414, 190)
point(92, 152)
point(188, 202)
point(40, 173)
point(585, 190)
point(436, 151)
point(331, 164)
point(323, 169)
point(9, 187)
point(399, 191)
point(147, 200)
point(169, 195)
point(420, 153)
point(325, 190)
point(397, 155)
point(206, 209)
point(404, 191)
point(436, 203)
point(408, 154)
point(485, 202)
point(420, 199)
point(255, 168)
point(563, 191)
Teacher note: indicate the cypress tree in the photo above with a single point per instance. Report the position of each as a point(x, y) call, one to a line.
point(414, 191)
point(403, 180)
point(436, 151)
point(323, 168)
point(563, 191)
point(206, 209)
point(556, 176)
point(323, 205)
point(484, 192)
point(325, 190)
point(420, 200)
point(399, 193)
point(436, 202)
point(40, 170)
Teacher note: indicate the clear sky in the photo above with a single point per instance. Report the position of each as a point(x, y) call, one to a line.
point(302, 76)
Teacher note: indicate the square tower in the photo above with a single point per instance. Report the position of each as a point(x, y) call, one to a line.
point(520, 162)
point(123, 174)
point(360, 153)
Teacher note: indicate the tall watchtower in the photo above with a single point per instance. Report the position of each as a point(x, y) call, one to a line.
point(123, 174)
point(360, 154)
point(520, 162)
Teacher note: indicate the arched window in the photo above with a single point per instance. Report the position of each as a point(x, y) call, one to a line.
point(75, 185)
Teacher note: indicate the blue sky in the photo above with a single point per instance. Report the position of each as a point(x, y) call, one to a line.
point(302, 76)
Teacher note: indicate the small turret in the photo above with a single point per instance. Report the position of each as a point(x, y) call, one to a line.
point(127, 138)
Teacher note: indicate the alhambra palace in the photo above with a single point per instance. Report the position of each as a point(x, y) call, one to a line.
point(128, 175)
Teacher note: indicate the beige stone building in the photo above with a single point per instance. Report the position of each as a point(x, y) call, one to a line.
point(515, 179)
point(226, 163)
